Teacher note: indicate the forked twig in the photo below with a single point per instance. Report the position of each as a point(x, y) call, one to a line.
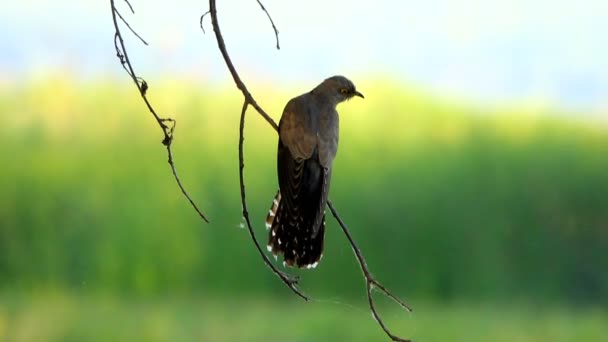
point(142, 86)
point(129, 27)
point(235, 76)
point(371, 282)
point(289, 280)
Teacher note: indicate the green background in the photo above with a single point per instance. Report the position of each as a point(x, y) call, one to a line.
point(492, 222)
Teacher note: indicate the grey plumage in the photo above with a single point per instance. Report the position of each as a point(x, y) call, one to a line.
point(308, 143)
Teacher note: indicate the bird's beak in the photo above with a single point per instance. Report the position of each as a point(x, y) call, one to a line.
point(359, 94)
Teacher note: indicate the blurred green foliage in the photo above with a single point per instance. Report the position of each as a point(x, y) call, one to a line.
point(447, 201)
point(75, 318)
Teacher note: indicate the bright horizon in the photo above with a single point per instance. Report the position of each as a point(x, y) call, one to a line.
point(507, 51)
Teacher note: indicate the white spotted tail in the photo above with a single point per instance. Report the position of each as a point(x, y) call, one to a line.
point(300, 247)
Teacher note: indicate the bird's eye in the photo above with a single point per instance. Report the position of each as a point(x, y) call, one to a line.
point(343, 91)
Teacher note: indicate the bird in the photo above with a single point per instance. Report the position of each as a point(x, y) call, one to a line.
point(308, 143)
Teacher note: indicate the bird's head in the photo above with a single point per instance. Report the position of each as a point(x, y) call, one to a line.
point(338, 88)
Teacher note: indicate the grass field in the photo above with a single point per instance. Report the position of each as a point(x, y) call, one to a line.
point(76, 318)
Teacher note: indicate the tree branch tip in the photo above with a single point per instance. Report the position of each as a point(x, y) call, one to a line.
point(116, 12)
point(130, 7)
point(201, 20)
point(276, 31)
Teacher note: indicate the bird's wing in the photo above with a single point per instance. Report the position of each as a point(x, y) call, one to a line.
point(297, 129)
point(303, 179)
point(298, 167)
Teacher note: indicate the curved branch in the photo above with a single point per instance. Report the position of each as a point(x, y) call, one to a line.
point(201, 21)
point(142, 86)
point(371, 282)
point(289, 280)
point(276, 32)
point(235, 76)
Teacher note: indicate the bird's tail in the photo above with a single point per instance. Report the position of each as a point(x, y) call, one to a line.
point(299, 246)
point(273, 210)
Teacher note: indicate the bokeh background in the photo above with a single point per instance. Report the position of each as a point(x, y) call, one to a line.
point(474, 176)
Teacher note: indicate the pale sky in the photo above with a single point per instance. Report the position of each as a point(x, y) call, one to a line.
point(486, 51)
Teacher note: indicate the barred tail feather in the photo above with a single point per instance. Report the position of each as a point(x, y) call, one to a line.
point(273, 210)
point(300, 247)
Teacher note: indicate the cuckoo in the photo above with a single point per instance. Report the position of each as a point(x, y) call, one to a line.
point(308, 142)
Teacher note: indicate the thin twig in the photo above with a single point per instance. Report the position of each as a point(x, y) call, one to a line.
point(130, 7)
point(130, 28)
point(235, 76)
point(288, 279)
point(201, 21)
point(276, 32)
point(370, 281)
point(142, 86)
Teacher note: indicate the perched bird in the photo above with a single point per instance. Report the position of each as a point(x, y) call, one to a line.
point(308, 142)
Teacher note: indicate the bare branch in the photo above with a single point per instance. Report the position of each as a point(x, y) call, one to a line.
point(248, 99)
point(235, 76)
point(276, 32)
point(129, 27)
point(142, 86)
point(289, 280)
point(370, 281)
point(130, 7)
point(201, 21)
